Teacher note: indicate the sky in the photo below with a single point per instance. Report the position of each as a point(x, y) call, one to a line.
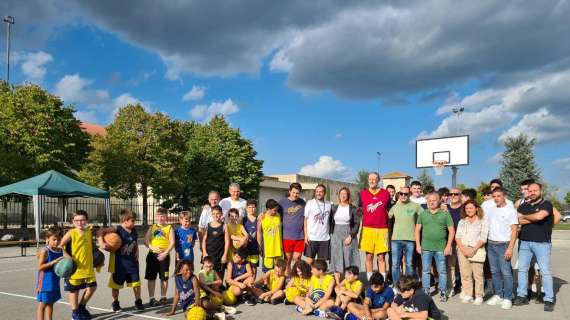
point(319, 87)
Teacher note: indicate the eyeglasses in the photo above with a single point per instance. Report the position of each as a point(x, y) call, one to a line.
point(454, 194)
point(404, 193)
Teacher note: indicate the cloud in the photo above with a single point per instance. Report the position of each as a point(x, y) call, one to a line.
point(564, 163)
point(86, 116)
point(541, 125)
point(196, 93)
point(327, 167)
point(206, 112)
point(33, 64)
point(338, 135)
point(72, 88)
point(496, 158)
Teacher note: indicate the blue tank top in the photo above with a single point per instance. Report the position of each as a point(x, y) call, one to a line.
point(126, 258)
point(47, 279)
point(185, 239)
point(251, 229)
point(238, 270)
point(186, 293)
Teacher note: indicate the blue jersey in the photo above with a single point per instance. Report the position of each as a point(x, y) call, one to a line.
point(377, 300)
point(47, 280)
point(125, 260)
point(238, 269)
point(186, 293)
point(185, 239)
point(251, 229)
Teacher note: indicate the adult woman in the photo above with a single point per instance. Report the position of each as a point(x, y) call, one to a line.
point(471, 236)
point(344, 226)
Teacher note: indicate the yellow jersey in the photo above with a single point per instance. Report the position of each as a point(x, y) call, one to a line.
point(235, 230)
point(160, 236)
point(272, 239)
point(301, 284)
point(82, 253)
point(274, 280)
point(321, 284)
point(355, 287)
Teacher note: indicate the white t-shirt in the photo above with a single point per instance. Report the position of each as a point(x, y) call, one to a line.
point(317, 214)
point(418, 200)
point(342, 215)
point(205, 217)
point(491, 204)
point(500, 221)
point(228, 203)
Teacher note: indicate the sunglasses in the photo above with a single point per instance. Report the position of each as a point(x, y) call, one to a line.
point(403, 193)
point(454, 194)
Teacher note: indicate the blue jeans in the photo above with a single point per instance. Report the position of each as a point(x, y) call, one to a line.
point(441, 269)
point(400, 247)
point(501, 270)
point(541, 250)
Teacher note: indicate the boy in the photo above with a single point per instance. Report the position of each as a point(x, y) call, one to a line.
point(250, 225)
point(321, 289)
point(124, 263)
point(210, 284)
point(215, 243)
point(377, 300)
point(349, 289)
point(186, 291)
point(78, 245)
point(269, 234)
point(160, 240)
point(412, 302)
point(47, 287)
point(185, 238)
point(239, 274)
point(271, 283)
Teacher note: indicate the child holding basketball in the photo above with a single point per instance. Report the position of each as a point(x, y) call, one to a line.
point(186, 292)
point(215, 243)
point(236, 232)
point(269, 288)
point(239, 274)
point(210, 288)
point(299, 285)
point(160, 241)
point(78, 245)
point(47, 287)
point(377, 300)
point(269, 234)
point(321, 288)
point(349, 289)
point(250, 225)
point(123, 262)
point(185, 238)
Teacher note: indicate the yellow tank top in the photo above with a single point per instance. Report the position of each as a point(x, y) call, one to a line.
point(321, 284)
point(301, 284)
point(354, 287)
point(82, 253)
point(235, 230)
point(160, 235)
point(273, 280)
point(272, 240)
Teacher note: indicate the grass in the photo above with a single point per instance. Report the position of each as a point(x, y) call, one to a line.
point(562, 226)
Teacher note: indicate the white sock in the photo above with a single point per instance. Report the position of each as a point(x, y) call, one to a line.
point(368, 275)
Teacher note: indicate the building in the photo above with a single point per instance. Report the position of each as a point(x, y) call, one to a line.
point(397, 178)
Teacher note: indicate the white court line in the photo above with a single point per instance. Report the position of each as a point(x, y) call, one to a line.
point(90, 307)
point(25, 269)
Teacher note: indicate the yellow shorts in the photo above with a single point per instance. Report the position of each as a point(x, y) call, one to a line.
point(253, 259)
point(374, 240)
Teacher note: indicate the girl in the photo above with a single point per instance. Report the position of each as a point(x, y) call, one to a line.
point(299, 283)
point(237, 236)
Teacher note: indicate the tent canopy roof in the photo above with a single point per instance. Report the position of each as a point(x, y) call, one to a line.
point(53, 184)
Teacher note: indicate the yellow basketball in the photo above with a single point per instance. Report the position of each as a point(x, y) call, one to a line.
point(218, 301)
point(229, 298)
point(196, 313)
point(291, 293)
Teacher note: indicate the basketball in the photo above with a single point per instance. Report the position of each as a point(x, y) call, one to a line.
point(65, 268)
point(196, 313)
point(229, 298)
point(113, 240)
point(98, 258)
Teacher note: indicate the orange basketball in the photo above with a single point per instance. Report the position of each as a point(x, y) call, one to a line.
point(113, 240)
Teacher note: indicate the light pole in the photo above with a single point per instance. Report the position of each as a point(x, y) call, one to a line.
point(9, 20)
point(457, 111)
point(379, 155)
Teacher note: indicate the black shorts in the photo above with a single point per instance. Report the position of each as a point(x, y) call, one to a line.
point(319, 249)
point(155, 267)
point(117, 280)
point(74, 285)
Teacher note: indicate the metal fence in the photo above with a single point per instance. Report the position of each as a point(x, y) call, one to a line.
point(19, 213)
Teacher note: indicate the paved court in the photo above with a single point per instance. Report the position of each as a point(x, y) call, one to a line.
point(17, 280)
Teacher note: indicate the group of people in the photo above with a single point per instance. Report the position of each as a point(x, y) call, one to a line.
point(309, 253)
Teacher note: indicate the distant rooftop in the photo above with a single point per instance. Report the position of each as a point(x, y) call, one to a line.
point(93, 129)
point(396, 174)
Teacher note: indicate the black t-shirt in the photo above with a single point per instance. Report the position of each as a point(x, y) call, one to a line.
point(419, 301)
point(540, 231)
point(455, 215)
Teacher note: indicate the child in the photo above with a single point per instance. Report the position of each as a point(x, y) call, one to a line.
point(269, 234)
point(160, 240)
point(124, 263)
point(185, 292)
point(210, 284)
point(78, 244)
point(47, 287)
point(377, 300)
point(349, 289)
point(239, 274)
point(299, 285)
point(319, 301)
point(272, 284)
point(237, 236)
point(215, 243)
point(250, 225)
point(185, 238)
point(412, 302)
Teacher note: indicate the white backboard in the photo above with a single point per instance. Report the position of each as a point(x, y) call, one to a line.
point(454, 150)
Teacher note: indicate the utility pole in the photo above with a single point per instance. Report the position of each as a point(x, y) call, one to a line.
point(457, 111)
point(9, 20)
point(379, 155)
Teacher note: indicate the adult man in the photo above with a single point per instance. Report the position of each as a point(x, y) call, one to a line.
point(405, 214)
point(416, 189)
point(537, 218)
point(495, 183)
point(434, 238)
point(502, 221)
point(454, 209)
point(233, 201)
point(468, 194)
point(206, 214)
point(316, 226)
point(293, 212)
point(374, 240)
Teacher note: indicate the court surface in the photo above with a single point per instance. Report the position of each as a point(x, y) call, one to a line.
point(17, 297)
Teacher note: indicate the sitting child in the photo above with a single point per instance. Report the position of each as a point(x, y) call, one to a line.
point(299, 284)
point(377, 300)
point(210, 288)
point(319, 301)
point(412, 302)
point(239, 275)
point(185, 292)
point(272, 284)
point(349, 289)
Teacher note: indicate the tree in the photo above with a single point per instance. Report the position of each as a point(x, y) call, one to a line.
point(567, 199)
point(140, 152)
point(518, 164)
point(216, 156)
point(37, 133)
point(425, 178)
point(362, 179)
point(480, 192)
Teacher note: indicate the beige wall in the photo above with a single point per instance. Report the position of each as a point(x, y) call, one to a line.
point(396, 182)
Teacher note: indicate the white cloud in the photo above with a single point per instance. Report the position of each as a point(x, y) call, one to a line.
point(74, 89)
point(125, 99)
point(327, 167)
point(34, 64)
point(86, 116)
point(280, 62)
point(496, 158)
point(196, 93)
point(564, 163)
point(541, 125)
point(206, 112)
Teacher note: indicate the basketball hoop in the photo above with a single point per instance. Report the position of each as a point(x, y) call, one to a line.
point(438, 166)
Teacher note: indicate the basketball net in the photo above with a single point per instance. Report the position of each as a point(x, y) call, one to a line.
point(438, 166)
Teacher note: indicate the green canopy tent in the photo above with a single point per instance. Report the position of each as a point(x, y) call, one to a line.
point(54, 184)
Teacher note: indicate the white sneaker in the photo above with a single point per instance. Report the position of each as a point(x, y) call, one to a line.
point(220, 316)
point(229, 310)
point(495, 300)
point(478, 301)
point(466, 299)
point(506, 304)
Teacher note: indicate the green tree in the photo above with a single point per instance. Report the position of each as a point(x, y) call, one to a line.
point(37, 133)
point(216, 156)
point(425, 178)
point(567, 199)
point(518, 164)
point(361, 179)
point(480, 189)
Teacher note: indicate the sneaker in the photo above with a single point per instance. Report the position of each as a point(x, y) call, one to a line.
point(220, 316)
point(478, 301)
point(75, 315)
point(83, 312)
point(332, 315)
point(320, 314)
point(466, 299)
point(139, 305)
point(152, 302)
point(299, 309)
point(506, 304)
point(495, 300)
point(162, 301)
point(229, 310)
point(548, 306)
point(450, 294)
point(350, 316)
point(275, 301)
point(520, 301)
point(442, 297)
point(116, 306)
point(251, 301)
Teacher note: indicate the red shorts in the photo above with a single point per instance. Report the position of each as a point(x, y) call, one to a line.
point(294, 246)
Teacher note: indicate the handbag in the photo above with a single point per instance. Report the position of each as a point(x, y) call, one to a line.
point(479, 256)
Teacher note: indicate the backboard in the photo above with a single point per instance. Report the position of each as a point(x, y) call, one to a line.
point(453, 150)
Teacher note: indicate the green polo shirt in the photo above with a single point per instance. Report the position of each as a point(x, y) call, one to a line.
point(434, 229)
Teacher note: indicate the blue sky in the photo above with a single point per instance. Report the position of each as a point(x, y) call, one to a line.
point(321, 87)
